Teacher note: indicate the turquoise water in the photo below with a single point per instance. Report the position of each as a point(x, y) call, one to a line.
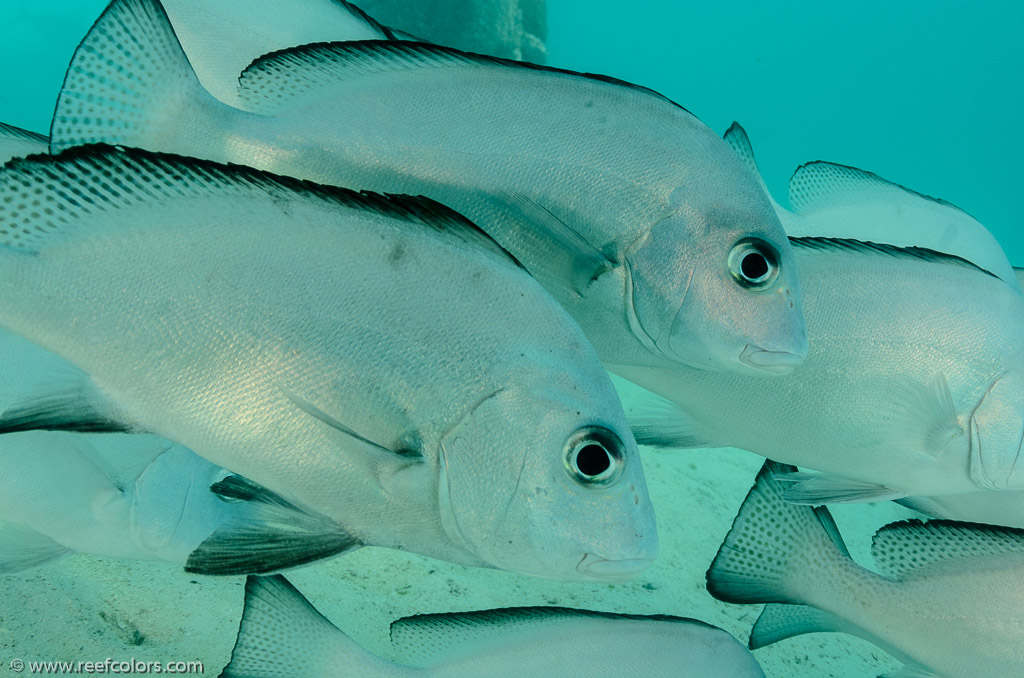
point(917, 92)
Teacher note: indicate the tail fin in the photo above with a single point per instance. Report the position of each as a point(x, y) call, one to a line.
point(282, 636)
point(773, 546)
point(129, 83)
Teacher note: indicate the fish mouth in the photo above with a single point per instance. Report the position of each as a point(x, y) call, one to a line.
point(773, 362)
point(596, 567)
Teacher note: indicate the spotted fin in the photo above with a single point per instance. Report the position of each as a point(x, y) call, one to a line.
point(22, 548)
point(104, 178)
point(281, 635)
point(291, 76)
point(222, 38)
point(270, 534)
point(902, 548)
point(773, 546)
point(130, 83)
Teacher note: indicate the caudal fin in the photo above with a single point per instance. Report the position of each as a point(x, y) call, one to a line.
point(776, 552)
point(282, 636)
point(129, 83)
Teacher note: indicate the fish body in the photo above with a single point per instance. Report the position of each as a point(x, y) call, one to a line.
point(377, 360)
point(913, 383)
point(281, 635)
point(948, 602)
point(630, 211)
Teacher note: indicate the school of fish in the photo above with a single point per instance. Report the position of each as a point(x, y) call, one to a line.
point(278, 286)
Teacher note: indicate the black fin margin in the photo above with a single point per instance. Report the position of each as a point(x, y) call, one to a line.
point(414, 49)
point(89, 158)
point(865, 246)
point(271, 534)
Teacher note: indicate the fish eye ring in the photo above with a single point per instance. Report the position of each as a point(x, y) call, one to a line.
point(594, 456)
point(754, 263)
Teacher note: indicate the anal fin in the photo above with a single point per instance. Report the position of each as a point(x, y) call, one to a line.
point(270, 534)
point(779, 621)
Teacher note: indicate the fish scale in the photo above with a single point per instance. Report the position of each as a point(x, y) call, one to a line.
point(276, 361)
point(622, 204)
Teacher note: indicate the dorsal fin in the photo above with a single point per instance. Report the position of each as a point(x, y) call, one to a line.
point(46, 194)
point(275, 79)
point(921, 253)
point(900, 548)
point(819, 184)
point(738, 140)
point(430, 639)
point(12, 132)
point(832, 200)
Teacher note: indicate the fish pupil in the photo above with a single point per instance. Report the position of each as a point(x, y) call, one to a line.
point(754, 266)
point(593, 460)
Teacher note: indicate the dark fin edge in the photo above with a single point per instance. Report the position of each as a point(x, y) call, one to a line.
point(415, 49)
point(864, 246)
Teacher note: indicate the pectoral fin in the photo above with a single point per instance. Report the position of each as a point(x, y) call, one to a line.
point(66, 400)
point(824, 488)
point(269, 534)
point(22, 548)
point(570, 256)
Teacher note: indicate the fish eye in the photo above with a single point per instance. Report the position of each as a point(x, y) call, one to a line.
point(754, 263)
point(594, 456)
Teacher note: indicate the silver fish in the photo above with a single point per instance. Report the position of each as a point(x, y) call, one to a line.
point(378, 360)
point(282, 636)
point(914, 383)
point(629, 210)
point(950, 601)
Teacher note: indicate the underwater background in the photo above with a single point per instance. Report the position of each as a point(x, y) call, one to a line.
point(926, 94)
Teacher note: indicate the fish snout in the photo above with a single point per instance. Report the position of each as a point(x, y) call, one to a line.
point(773, 362)
point(603, 569)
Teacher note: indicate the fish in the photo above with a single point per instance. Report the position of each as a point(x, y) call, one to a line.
point(281, 635)
point(913, 384)
point(221, 38)
point(830, 200)
point(16, 142)
point(949, 600)
point(377, 360)
point(631, 212)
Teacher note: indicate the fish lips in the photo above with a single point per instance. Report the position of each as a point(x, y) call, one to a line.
point(596, 568)
point(772, 362)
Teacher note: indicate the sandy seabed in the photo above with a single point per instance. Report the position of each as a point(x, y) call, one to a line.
point(86, 608)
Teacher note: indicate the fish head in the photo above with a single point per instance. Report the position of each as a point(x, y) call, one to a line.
point(716, 288)
point(997, 435)
point(530, 485)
